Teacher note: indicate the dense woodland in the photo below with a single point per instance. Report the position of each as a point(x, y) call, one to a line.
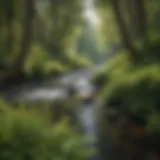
point(42, 38)
point(130, 81)
point(131, 77)
point(38, 38)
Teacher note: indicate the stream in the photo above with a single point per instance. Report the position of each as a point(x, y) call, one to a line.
point(86, 113)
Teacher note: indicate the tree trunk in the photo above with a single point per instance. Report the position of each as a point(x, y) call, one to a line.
point(141, 18)
point(9, 23)
point(123, 29)
point(132, 22)
point(26, 37)
point(137, 18)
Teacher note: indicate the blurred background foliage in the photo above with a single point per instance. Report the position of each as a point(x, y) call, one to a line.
point(27, 134)
point(41, 38)
point(132, 76)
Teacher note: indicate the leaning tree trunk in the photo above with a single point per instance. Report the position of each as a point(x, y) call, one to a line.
point(26, 38)
point(123, 28)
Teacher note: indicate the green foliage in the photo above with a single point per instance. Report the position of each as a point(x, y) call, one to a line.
point(42, 66)
point(153, 15)
point(109, 30)
point(137, 88)
point(113, 68)
point(77, 62)
point(56, 26)
point(24, 135)
point(153, 123)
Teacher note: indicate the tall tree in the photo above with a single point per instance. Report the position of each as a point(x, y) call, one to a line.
point(137, 17)
point(26, 37)
point(123, 28)
point(9, 24)
point(141, 16)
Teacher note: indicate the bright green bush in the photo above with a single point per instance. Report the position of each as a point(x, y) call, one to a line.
point(26, 136)
point(34, 65)
point(39, 64)
point(136, 87)
point(55, 67)
point(113, 69)
point(77, 62)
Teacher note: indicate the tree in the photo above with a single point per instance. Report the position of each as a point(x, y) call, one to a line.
point(123, 29)
point(52, 26)
point(130, 17)
point(27, 37)
point(134, 85)
point(9, 24)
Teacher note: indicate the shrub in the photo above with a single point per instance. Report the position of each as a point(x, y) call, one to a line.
point(27, 136)
point(113, 69)
point(136, 87)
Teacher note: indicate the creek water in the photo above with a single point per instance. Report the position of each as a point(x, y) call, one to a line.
point(86, 113)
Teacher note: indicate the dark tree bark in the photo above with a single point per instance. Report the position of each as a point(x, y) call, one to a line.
point(141, 18)
point(123, 28)
point(132, 22)
point(26, 37)
point(9, 23)
point(137, 18)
